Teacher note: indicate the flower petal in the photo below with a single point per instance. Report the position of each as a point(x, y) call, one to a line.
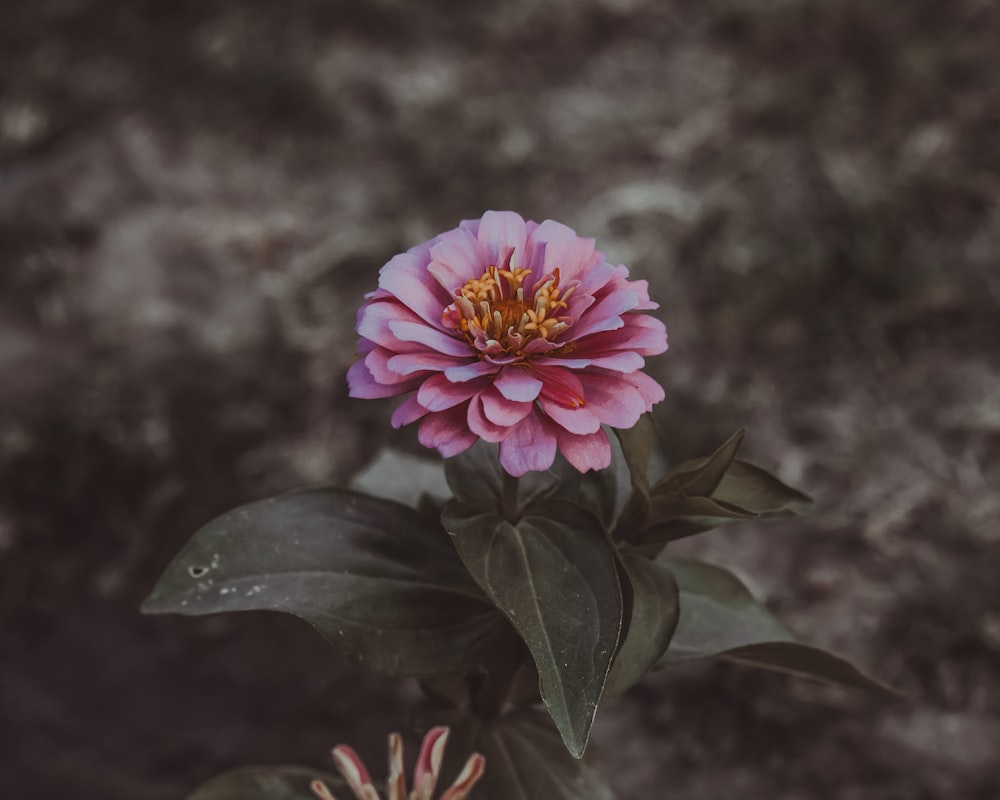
point(362, 384)
point(613, 400)
point(501, 411)
point(408, 411)
point(437, 393)
point(531, 446)
point(447, 432)
point(591, 451)
point(499, 230)
point(423, 334)
point(407, 279)
point(481, 426)
point(515, 383)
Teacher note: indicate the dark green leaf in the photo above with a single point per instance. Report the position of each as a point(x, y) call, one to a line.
point(637, 444)
point(477, 479)
point(675, 516)
point(399, 476)
point(756, 490)
point(555, 579)
point(654, 614)
point(266, 783)
point(377, 578)
point(700, 478)
point(719, 617)
point(605, 491)
point(525, 760)
point(807, 662)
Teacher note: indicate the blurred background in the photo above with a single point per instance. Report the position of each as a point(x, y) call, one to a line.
point(194, 197)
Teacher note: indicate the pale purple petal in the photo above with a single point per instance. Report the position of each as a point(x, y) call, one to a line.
point(605, 316)
point(499, 230)
point(408, 411)
point(483, 427)
point(374, 320)
point(467, 372)
point(501, 411)
point(456, 257)
point(437, 393)
point(531, 446)
point(406, 278)
point(650, 390)
point(361, 384)
point(447, 432)
point(575, 420)
point(408, 363)
point(592, 451)
point(377, 362)
point(515, 383)
point(613, 400)
point(563, 249)
point(436, 340)
point(620, 362)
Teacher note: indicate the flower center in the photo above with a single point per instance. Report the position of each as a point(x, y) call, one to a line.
point(494, 312)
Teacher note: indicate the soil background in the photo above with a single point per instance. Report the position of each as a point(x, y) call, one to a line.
point(194, 197)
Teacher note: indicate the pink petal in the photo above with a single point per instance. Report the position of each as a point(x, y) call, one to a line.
point(559, 384)
point(375, 318)
point(448, 432)
point(650, 390)
point(482, 427)
point(564, 250)
point(500, 229)
point(377, 362)
point(457, 257)
point(613, 400)
point(624, 361)
point(575, 420)
point(642, 334)
point(408, 280)
point(592, 451)
point(437, 393)
point(515, 383)
point(470, 371)
point(531, 446)
point(501, 411)
point(408, 411)
point(424, 334)
point(361, 383)
point(431, 754)
point(606, 315)
point(408, 363)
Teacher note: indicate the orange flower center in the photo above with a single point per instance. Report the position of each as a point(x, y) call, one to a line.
point(494, 307)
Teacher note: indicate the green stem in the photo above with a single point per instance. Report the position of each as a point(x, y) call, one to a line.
point(510, 504)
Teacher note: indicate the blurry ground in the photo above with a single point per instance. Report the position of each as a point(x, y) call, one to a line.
point(193, 198)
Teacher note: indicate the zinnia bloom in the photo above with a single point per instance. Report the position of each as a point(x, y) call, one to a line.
point(425, 774)
point(514, 332)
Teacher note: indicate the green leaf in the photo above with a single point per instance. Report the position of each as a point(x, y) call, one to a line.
point(676, 516)
point(754, 489)
point(525, 760)
point(378, 579)
point(555, 579)
point(654, 613)
point(717, 614)
point(266, 783)
point(701, 477)
point(719, 617)
point(605, 491)
point(477, 479)
point(399, 476)
point(637, 444)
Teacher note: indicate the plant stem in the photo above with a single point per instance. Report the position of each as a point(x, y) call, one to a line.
point(510, 505)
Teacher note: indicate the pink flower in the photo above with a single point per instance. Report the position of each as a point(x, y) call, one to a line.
point(425, 774)
point(513, 332)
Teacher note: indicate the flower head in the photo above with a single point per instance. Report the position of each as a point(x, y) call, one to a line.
point(513, 332)
point(425, 775)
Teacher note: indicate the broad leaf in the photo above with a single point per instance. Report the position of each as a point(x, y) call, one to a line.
point(719, 617)
point(637, 445)
point(676, 516)
point(525, 760)
point(378, 579)
point(758, 491)
point(477, 479)
point(399, 476)
point(605, 491)
point(266, 783)
point(700, 478)
point(555, 579)
point(654, 614)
